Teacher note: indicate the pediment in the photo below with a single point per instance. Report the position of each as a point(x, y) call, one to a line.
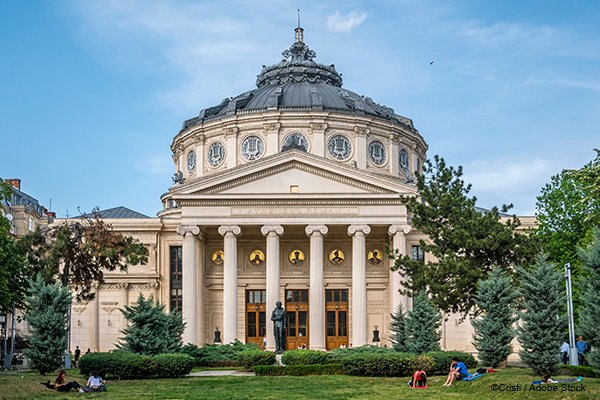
point(276, 174)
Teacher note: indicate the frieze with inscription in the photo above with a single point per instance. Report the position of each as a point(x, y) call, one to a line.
point(294, 210)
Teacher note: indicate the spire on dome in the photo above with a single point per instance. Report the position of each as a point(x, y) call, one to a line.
point(299, 31)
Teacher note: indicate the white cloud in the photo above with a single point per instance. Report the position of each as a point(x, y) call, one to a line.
point(344, 23)
point(501, 176)
point(569, 83)
point(157, 164)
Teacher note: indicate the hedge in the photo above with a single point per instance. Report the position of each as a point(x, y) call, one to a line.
point(215, 355)
point(250, 358)
point(173, 365)
point(298, 370)
point(303, 357)
point(386, 364)
point(121, 365)
point(578, 370)
point(339, 354)
point(443, 359)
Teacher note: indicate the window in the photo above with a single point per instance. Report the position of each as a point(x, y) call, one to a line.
point(31, 224)
point(418, 253)
point(176, 264)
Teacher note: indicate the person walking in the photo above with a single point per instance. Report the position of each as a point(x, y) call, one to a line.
point(77, 355)
point(564, 350)
point(581, 348)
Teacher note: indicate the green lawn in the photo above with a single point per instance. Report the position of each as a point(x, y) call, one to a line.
point(27, 386)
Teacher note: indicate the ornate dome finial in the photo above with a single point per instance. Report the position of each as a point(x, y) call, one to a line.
point(299, 31)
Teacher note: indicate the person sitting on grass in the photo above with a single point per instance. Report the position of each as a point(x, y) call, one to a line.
point(94, 384)
point(458, 371)
point(546, 379)
point(419, 380)
point(60, 384)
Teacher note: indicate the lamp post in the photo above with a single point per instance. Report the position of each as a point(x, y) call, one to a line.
point(3, 328)
point(573, 360)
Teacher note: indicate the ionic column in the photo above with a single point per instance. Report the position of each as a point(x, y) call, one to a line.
point(124, 301)
point(272, 232)
point(394, 141)
point(398, 234)
point(359, 283)
point(272, 133)
point(199, 140)
point(318, 134)
point(231, 135)
point(94, 315)
point(230, 309)
point(316, 292)
point(201, 315)
point(189, 282)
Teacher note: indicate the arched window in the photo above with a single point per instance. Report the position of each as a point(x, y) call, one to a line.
point(31, 224)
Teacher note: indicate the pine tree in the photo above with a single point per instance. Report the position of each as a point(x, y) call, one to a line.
point(151, 330)
point(398, 328)
point(494, 330)
point(542, 329)
point(422, 326)
point(589, 314)
point(47, 316)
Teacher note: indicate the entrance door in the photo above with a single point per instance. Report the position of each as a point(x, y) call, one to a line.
point(296, 307)
point(256, 328)
point(336, 318)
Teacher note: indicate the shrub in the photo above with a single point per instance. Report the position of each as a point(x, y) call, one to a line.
point(425, 363)
point(221, 364)
point(578, 370)
point(339, 354)
point(250, 358)
point(379, 364)
point(209, 354)
point(298, 370)
point(303, 357)
point(173, 365)
point(443, 359)
point(118, 365)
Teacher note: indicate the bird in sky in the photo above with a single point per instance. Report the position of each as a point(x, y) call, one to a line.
point(431, 63)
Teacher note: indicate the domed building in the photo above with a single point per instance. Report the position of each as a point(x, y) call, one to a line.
point(288, 192)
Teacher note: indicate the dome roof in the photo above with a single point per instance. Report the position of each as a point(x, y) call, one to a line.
point(298, 83)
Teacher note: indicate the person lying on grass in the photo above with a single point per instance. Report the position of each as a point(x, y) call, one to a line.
point(546, 379)
point(458, 371)
point(419, 380)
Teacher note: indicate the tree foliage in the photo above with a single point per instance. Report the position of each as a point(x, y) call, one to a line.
point(398, 328)
point(78, 251)
point(494, 330)
point(47, 317)
point(422, 326)
point(589, 313)
point(151, 331)
point(542, 327)
point(589, 178)
point(466, 242)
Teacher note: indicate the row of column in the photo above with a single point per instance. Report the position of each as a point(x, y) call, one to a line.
point(193, 300)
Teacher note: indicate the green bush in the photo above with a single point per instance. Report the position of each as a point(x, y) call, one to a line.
point(298, 370)
point(173, 365)
point(250, 358)
point(118, 365)
point(339, 354)
point(443, 359)
point(215, 354)
point(578, 370)
point(424, 363)
point(379, 364)
point(303, 357)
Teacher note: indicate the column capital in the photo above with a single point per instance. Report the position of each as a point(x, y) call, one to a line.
point(394, 229)
point(267, 229)
point(354, 229)
point(322, 229)
point(233, 229)
point(193, 229)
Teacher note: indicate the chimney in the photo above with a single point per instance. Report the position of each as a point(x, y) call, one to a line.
point(16, 183)
point(51, 214)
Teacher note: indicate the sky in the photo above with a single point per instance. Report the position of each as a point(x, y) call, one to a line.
point(93, 92)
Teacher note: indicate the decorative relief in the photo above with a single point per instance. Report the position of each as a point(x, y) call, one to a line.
point(317, 126)
point(294, 211)
point(377, 152)
point(252, 148)
point(403, 160)
point(375, 257)
point(216, 154)
point(257, 257)
point(217, 257)
point(233, 131)
point(339, 147)
point(272, 127)
point(148, 285)
point(191, 161)
point(295, 141)
point(79, 308)
point(200, 139)
point(336, 256)
point(361, 131)
point(109, 306)
point(296, 257)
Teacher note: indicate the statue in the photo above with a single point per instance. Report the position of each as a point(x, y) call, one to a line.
point(279, 326)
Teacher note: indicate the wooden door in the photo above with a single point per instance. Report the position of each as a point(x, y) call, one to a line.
point(256, 317)
point(336, 318)
point(296, 307)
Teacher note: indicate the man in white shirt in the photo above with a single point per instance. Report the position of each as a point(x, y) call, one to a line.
point(564, 349)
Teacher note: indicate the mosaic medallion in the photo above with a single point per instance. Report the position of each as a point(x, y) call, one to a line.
point(296, 257)
point(375, 257)
point(257, 257)
point(217, 257)
point(336, 256)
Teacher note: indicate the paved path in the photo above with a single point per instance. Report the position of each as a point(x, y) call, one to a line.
point(224, 372)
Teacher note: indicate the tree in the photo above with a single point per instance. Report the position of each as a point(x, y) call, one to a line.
point(398, 328)
point(422, 326)
point(151, 330)
point(542, 327)
point(589, 178)
point(589, 313)
point(494, 330)
point(78, 251)
point(47, 317)
point(466, 242)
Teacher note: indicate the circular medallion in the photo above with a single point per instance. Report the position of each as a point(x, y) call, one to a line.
point(295, 141)
point(375, 257)
point(217, 257)
point(336, 256)
point(216, 154)
point(403, 160)
point(252, 148)
point(257, 257)
point(339, 147)
point(377, 152)
point(296, 257)
point(191, 161)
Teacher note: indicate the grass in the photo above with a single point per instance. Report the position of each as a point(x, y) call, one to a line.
point(27, 386)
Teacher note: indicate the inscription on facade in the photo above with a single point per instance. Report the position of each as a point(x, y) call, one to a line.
point(294, 210)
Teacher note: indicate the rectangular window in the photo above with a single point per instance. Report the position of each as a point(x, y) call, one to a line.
point(342, 327)
point(302, 323)
point(330, 323)
point(336, 296)
point(291, 320)
point(296, 296)
point(175, 262)
point(252, 324)
point(262, 326)
point(418, 253)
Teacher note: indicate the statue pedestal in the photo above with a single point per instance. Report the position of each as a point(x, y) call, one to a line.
point(278, 359)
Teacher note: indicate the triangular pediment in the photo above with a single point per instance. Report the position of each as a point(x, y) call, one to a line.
point(277, 173)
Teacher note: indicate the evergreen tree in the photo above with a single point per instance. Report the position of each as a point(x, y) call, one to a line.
point(542, 329)
point(398, 328)
point(589, 314)
point(422, 326)
point(151, 330)
point(494, 330)
point(47, 316)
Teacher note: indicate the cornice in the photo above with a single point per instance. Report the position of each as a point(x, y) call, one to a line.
point(191, 202)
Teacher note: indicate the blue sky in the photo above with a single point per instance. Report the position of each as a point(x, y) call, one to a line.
point(93, 92)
